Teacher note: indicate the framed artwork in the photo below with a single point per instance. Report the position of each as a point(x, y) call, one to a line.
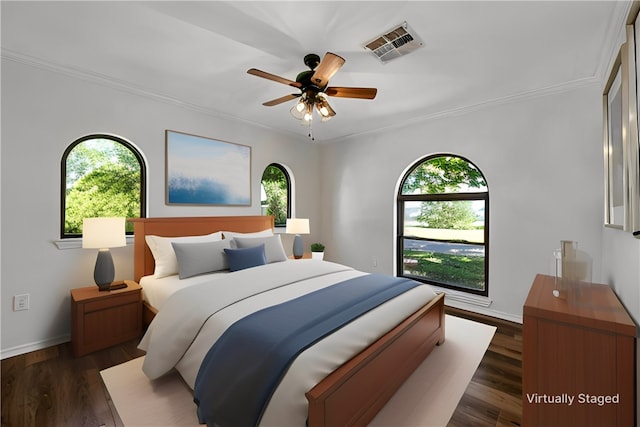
point(205, 171)
point(613, 104)
point(621, 142)
point(633, 148)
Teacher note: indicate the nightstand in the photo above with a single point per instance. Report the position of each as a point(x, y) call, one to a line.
point(305, 255)
point(100, 319)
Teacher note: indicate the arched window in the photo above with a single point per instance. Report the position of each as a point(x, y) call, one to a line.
point(102, 176)
point(276, 193)
point(443, 224)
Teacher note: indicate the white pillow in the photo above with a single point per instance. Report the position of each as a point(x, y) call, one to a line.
point(232, 234)
point(164, 255)
point(272, 246)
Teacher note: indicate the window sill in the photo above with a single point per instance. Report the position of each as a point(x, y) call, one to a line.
point(76, 243)
point(464, 297)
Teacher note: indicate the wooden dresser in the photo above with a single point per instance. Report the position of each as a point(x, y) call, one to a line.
point(579, 358)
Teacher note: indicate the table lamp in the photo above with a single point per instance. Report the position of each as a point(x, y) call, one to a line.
point(102, 234)
point(297, 226)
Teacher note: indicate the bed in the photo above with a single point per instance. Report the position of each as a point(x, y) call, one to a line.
point(353, 391)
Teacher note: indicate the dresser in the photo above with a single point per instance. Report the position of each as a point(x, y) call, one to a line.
point(579, 357)
point(100, 319)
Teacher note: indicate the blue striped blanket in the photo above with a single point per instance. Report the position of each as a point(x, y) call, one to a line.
point(243, 368)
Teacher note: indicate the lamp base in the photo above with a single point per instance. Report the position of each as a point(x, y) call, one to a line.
point(104, 271)
point(298, 249)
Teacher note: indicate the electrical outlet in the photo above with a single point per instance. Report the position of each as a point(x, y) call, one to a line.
point(21, 302)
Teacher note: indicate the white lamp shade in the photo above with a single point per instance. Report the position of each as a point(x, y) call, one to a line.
point(101, 233)
point(297, 226)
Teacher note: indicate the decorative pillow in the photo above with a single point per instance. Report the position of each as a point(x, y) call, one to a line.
point(234, 234)
point(165, 257)
point(200, 258)
point(272, 246)
point(239, 259)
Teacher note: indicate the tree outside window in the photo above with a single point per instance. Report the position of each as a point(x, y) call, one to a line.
point(103, 176)
point(276, 199)
point(443, 224)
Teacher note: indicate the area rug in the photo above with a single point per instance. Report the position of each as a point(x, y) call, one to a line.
point(428, 398)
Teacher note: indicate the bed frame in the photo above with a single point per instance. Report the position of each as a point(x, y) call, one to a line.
point(355, 392)
point(143, 262)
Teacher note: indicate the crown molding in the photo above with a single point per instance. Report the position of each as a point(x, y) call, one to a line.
point(128, 87)
point(483, 105)
point(614, 38)
point(120, 85)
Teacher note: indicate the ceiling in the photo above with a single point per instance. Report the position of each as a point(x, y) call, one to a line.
point(197, 53)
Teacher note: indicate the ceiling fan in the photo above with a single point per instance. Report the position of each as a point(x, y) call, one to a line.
point(314, 89)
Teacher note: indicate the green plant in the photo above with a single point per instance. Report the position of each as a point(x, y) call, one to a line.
point(317, 247)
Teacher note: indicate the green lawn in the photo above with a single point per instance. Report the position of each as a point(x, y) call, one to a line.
point(464, 271)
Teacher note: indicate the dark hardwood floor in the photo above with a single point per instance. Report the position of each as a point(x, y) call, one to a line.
point(50, 387)
point(494, 395)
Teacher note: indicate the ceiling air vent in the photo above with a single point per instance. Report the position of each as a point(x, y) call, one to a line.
point(394, 43)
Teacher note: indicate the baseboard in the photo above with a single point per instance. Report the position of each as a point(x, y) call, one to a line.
point(474, 303)
point(27, 348)
point(483, 310)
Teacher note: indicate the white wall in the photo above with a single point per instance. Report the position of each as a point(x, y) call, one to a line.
point(542, 158)
point(42, 113)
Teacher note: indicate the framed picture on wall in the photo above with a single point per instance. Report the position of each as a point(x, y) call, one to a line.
point(633, 149)
point(613, 146)
point(621, 142)
point(205, 171)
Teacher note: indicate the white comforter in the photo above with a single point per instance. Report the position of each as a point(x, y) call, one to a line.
point(193, 318)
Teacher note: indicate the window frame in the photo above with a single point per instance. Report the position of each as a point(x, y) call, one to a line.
point(287, 178)
point(401, 200)
point(63, 178)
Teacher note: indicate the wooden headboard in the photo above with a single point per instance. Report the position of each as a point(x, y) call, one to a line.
point(143, 263)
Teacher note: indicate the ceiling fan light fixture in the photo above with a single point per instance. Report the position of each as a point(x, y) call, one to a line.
point(314, 89)
point(308, 114)
point(298, 110)
point(322, 108)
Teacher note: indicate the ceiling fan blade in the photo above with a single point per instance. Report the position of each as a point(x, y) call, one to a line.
point(269, 76)
point(280, 100)
point(352, 92)
point(329, 65)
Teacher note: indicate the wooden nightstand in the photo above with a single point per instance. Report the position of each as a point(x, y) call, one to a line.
point(305, 255)
point(102, 319)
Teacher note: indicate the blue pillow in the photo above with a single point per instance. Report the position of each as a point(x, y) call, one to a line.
point(242, 258)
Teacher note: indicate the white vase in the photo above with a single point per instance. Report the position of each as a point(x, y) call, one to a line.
point(317, 255)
